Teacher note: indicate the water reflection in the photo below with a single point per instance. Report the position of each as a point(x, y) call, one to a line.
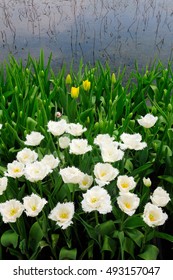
point(117, 31)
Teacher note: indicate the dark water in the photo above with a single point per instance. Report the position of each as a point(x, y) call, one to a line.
point(117, 31)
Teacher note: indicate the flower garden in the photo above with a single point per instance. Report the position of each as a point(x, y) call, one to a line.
point(86, 162)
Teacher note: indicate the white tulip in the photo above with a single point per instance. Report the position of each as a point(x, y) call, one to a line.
point(85, 182)
point(11, 210)
point(147, 121)
point(57, 128)
point(50, 161)
point(104, 173)
point(64, 142)
point(27, 156)
point(15, 169)
point(33, 204)
point(62, 214)
point(153, 215)
point(125, 183)
point(3, 184)
point(79, 146)
point(128, 202)
point(160, 197)
point(133, 141)
point(75, 129)
point(36, 171)
point(34, 138)
point(97, 199)
point(71, 175)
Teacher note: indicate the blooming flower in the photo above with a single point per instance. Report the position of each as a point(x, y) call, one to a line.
point(160, 197)
point(86, 85)
point(105, 139)
point(147, 182)
point(97, 199)
point(153, 215)
point(62, 214)
point(27, 156)
point(133, 141)
point(79, 146)
point(71, 175)
point(85, 182)
point(57, 128)
point(75, 129)
point(128, 202)
point(11, 210)
point(64, 142)
point(110, 153)
point(34, 138)
point(147, 121)
point(74, 92)
point(33, 204)
point(126, 183)
point(36, 171)
point(3, 184)
point(50, 161)
point(15, 169)
point(104, 173)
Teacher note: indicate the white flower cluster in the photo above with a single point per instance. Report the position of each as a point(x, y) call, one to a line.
point(27, 164)
point(13, 209)
point(128, 202)
point(153, 214)
point(95, 198)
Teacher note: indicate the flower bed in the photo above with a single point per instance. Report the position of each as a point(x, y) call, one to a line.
point(86, 162)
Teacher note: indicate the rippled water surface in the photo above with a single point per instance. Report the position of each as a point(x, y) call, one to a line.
point(117, 31)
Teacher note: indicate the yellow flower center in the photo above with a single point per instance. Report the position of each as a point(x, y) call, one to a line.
point(151, 217)
point(13, 211)
point(103, 173)
point(34, 208)
point(127, 205)
point(124, 185)
point(63, 215)
point(16, 170)
point(94, 199)
point(84, 182)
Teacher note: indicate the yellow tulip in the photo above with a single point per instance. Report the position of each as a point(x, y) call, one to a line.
point(74, 92)
point(86, 85)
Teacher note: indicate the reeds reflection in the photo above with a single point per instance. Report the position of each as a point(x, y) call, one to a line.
point(118, 31)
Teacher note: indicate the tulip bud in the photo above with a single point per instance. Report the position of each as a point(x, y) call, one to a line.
point(169, 107)
point(41, 73)
point(74, 92)
point(147, 182)
point(68, 80)
point(113, 78)
point(86, 85)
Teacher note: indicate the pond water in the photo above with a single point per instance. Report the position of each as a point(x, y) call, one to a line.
point(117, 31)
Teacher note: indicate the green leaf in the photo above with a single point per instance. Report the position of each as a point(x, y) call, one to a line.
point(55, 238)
point(163, 235)
point(9, 238)
point(109, 245)
point(136, 235)
point(142, 168)
point(68, 254)
point(129, 246)
point(134, 222)
point(150, 252)
point(35, 236)
point(106, 228)
point(166, 178)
